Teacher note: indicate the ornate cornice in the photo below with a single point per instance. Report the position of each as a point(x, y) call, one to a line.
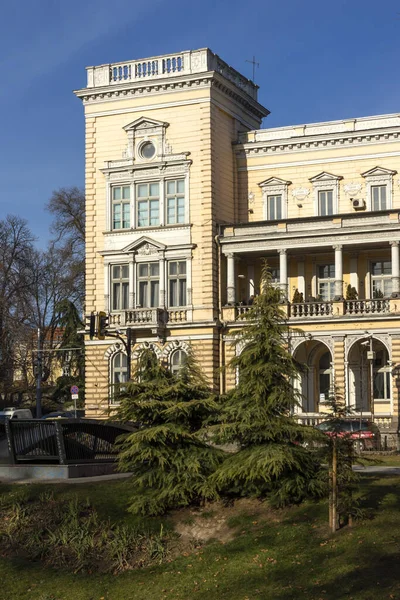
point(311, 143)
point(134, 89)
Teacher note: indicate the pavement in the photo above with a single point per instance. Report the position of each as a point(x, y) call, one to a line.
point(377, 469)
point(72, 480)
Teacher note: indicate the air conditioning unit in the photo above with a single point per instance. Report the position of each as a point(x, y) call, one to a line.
point(358, 204)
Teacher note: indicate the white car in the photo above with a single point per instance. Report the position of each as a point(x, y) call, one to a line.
point(15, 413)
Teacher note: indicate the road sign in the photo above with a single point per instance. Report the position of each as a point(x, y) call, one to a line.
point(75, 396)
point(74, 389)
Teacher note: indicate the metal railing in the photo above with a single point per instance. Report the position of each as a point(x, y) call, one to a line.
point(63, 441)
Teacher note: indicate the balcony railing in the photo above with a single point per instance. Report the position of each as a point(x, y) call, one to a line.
point(168, 65)
point(320, 310)
point(367, 307)
point(148, 317)
point(311, 309)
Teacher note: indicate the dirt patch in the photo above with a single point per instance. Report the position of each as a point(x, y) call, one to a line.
point(217, 521)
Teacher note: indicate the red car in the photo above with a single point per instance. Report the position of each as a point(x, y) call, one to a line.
point(363, 432)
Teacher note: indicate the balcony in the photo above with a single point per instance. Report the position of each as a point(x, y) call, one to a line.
point(143, 318)
point(311, 311)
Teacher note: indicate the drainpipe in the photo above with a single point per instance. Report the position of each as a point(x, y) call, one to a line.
point(221, 327)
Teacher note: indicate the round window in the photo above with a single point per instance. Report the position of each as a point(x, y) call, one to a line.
point(147, 150)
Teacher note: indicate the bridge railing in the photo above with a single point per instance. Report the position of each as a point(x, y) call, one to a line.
point(63, 441)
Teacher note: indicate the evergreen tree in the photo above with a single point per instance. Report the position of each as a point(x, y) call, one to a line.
point(168, 455)
point(271, 460)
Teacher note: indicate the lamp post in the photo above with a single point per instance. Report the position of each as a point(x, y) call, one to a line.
point(396, 377)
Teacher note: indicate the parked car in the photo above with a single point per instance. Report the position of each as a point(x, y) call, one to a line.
point(362, 431)
point(60, 414)
point(15, 413)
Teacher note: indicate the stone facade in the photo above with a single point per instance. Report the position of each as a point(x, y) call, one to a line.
point(185, 196)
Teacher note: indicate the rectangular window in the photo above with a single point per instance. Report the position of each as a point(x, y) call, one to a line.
point(378, 193)
point(274, 207)
point(121, 207)
point(119, 287)
point(175, 201)
point(275, 276)
point(326, 282)
point(148, 204)
point(148, 276)
point(325, 203)
point(177, 283)
point(381, 278)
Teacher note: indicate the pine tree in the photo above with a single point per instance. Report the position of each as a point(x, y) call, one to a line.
point(257, 415)
point(168, 455)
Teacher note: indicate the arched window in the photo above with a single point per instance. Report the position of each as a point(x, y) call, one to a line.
point(178, 360)
point(325, 377)
point(119, 374)
point(382, 376)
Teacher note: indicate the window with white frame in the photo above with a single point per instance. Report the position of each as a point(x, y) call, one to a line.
point(119, 287)
point(379, 188)
point(119, 375)
point(177, 283)
point(121, 207)
point(148, 204)
point(325, 203)
point(326, 193)
point(382, 376)
point(325, 377)
point(326, 282)
point(175, 201)
point(275, 198)
point(177, 361)
point(148, 282)
point(381, 278)
point(379, 197)
point(274, 207)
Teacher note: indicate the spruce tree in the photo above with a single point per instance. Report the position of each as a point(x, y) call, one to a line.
point(257, 415)
point(168, 455)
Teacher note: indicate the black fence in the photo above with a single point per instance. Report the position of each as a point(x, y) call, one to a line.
point(63, 441)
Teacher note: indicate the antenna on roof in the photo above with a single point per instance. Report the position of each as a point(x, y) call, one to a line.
point(255, 64)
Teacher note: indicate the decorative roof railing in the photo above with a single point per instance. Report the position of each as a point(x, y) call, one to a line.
point(167, 66)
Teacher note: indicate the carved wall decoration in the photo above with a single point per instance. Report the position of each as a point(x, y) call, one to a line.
point(300, 193)
point(352, 189)
point(175, 345)
point(147, 249)
point(147, 346)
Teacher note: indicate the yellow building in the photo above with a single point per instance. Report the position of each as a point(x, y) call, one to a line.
point(185, 197)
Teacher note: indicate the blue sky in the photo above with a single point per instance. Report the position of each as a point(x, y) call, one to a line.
point(319, 60)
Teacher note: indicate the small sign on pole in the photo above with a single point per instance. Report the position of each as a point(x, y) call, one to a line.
point(74, 395)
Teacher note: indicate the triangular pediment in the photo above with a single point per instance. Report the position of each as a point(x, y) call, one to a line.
point(325, 176)
point(145, 246)
point(274, 181)
point(144, 123)
point(379, 172)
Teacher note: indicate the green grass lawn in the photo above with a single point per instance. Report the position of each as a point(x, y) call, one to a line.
point(275, 555)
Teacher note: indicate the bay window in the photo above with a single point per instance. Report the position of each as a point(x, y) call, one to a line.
point(119, 287)
point(177, 283)
point(175, 201)
point(121, 207)
point(148, 278)
point(148, 204)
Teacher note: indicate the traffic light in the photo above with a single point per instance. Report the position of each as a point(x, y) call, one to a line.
point(102, 324)
point(92, 325)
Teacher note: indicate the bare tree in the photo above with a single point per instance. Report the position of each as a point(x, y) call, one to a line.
point(16, 252)
point(67, 205)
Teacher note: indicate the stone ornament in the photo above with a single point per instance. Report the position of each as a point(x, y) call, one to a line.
point(352, 189)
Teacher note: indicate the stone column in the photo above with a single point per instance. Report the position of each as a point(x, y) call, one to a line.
point(301, 279)
point(283, 278)
point(395, 269)
point(354, 282)
point(231, 288)
point(338, 272)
